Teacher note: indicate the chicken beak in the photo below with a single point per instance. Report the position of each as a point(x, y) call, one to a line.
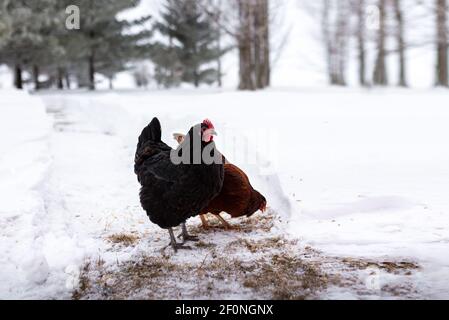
point(179, 137)
point(212, 132)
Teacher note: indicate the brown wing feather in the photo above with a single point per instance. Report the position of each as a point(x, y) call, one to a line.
point(237, 197)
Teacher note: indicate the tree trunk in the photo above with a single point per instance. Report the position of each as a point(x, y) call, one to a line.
point(254, 44)
point(246, 63)
point(262, 44)
point(60, 78)
point(335, 35)
point(219, 67)
point(91, 75)
point(380, 70)
point(196, 78)
point(257, 44)
point(325, 26)
point(67, 80)
point(218, 18)
point(18, 80)
point(442, 44)
point(342, 42)
point(111, 84)
point(401, 43)
point(267, 48)
point(245, 79)
point(361, 42)
point(36, 78)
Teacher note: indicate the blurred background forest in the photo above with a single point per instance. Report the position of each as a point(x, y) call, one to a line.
point(248, 44)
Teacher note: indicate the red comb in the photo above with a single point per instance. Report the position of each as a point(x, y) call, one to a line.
point(209, 124)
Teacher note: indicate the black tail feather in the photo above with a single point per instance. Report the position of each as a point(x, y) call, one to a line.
point(151, 133)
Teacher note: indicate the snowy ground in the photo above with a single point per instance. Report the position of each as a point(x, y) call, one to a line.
point(356, 183)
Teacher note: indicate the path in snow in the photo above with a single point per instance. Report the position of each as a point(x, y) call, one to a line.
point(24, 166)
point(90, 193)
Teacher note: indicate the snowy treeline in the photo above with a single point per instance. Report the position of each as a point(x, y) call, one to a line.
point(185, 41)
point(36, 41)
point(372, 30)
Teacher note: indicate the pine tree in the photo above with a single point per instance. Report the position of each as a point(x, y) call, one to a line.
point(47, 54)
point(191, 44)
point(5, 22)
point(168, 69)
point(120, 48)
point(104, 43)
point(26, 27)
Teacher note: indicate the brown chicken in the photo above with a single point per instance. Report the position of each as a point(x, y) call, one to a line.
point(237, 197)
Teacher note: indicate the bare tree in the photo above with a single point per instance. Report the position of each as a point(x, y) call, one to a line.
point(254, 44)
point(336, 36)
point(262, 44)
point(248, 23)
point(342, 38)
point(400, 42)
point(246, 63)
point(380, 69)
point(216, 10)
point(219, 48)
point(372, 24)
point(442, 44)
point(361, 40)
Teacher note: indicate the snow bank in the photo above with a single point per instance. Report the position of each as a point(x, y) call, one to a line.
point(24, 161)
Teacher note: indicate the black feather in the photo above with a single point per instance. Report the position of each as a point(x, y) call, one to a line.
point(152, 132)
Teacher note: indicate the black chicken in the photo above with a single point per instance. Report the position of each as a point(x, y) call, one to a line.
point(171, 193)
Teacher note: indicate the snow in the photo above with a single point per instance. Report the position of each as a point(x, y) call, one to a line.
point(371, 176)
point(351, 173)
point(24, 165)
point(5, 77)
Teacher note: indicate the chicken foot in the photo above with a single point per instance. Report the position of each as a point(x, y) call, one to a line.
point(204, 221)
point(225, 224)
point(185, 235)
point(175, 245)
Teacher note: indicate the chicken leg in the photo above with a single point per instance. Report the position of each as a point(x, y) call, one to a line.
point(186, 236)
point(174, 244)
point(204, 221)
point(226, 225)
